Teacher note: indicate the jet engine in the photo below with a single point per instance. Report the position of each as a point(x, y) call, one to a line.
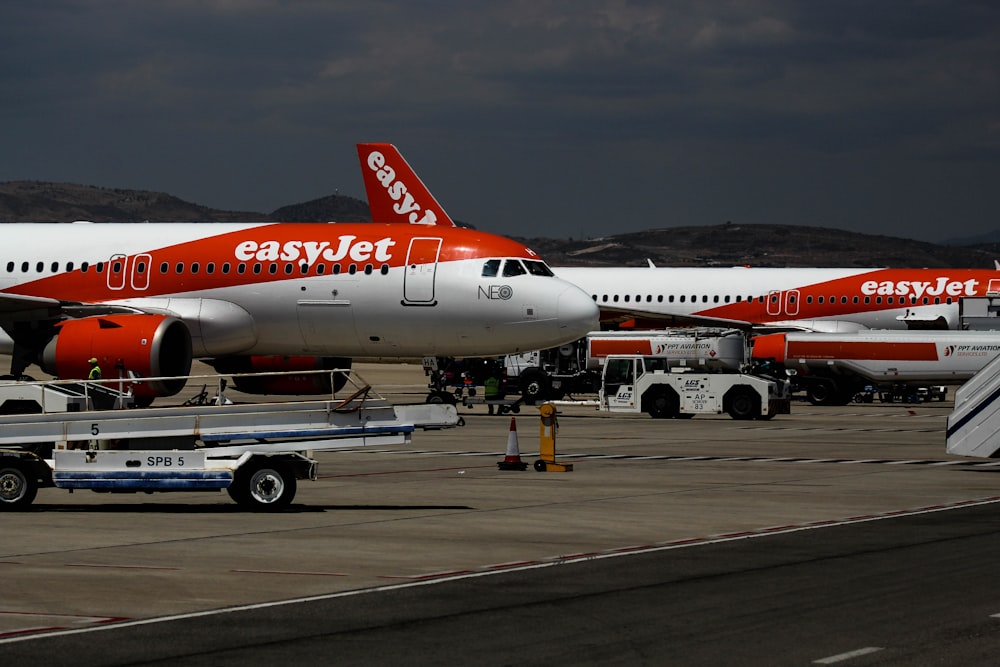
point(156, 346)
point(297, 381)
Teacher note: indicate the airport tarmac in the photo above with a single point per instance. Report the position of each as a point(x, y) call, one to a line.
point(440, 506)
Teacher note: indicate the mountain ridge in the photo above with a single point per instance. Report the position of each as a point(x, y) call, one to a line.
point(729, 244)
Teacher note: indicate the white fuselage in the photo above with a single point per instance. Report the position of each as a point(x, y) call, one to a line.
point(296, 289)
point(821, 299)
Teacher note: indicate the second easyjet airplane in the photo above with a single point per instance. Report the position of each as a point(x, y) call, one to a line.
point(147, 298)
point(816, 299)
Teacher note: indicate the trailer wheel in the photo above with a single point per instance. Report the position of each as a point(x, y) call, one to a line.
point(743, 403)
point(827, 392)
point(17, 487)
point(264, 485)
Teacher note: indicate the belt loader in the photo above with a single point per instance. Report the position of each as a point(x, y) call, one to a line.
point(255, 451)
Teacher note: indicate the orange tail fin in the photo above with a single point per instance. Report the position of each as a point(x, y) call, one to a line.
point(395, 193)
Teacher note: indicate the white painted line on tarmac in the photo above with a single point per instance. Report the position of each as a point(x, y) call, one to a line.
point(833, 659)
point(441, 577)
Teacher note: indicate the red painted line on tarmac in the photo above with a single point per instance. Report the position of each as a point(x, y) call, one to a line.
point(401, 472)
point(681, 542)
point(122, 567)
point(77, 618)
point(424, 577)
point(293, 572)
point(32, 631)
point(521, 563)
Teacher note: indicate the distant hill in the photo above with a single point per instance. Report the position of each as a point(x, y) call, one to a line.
point(33, 201)
point(759, 245)
point(718, 245)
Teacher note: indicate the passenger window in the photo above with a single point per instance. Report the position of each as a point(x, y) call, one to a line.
point(491, 268)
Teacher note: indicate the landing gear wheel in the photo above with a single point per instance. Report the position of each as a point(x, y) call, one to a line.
point(17, 488)
point(263, 486)
point(540, 465)
point(534, 386)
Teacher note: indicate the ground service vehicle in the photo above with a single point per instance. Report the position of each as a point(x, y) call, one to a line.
point(634, 383)
point(255, 451)
point(575, 368)
point(834, 367)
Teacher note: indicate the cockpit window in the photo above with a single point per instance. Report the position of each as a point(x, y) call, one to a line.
point(513, 267)
point(538, 268)
point(491, 268)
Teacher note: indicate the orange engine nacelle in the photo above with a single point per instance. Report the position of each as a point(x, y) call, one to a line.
point(294, 383)
point(146, 345)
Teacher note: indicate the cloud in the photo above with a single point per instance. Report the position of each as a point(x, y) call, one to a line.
point(257, 104)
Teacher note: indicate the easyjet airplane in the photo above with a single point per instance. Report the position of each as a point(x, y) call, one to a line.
point(817, 299)
point(146, 298)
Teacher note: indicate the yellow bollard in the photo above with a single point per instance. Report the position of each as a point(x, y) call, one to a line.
point(548, 427)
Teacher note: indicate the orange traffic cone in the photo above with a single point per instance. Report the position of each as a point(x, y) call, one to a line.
point(512, 461)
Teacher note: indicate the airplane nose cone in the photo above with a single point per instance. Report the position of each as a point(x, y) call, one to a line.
point(577, 313)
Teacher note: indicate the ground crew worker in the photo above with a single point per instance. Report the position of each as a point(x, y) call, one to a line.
point(95, 370)
point(492, 387)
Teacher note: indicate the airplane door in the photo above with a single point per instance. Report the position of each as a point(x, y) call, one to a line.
point(792, 302)
point(117, 271)
point(140, 271)
point(774, 303)
point(421, 268)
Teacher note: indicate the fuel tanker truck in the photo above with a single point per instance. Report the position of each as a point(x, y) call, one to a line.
point(832, 367)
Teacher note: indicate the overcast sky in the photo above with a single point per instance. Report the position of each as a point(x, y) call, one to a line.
point(529, 117)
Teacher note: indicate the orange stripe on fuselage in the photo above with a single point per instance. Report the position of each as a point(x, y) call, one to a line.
point(883, 351)
point(282, 245)
point(876, 290)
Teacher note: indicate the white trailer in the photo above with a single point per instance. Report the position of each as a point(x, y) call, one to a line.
point(832, 367)
point(635, 383)
point(256, 451)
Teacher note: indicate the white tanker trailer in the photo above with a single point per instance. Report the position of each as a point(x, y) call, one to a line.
point(832, 367)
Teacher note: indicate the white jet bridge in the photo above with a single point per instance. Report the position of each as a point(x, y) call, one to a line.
point(256, 451)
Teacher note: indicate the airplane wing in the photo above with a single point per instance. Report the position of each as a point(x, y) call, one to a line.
point(11, 305)
point(14, 303)
point(660, 319)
